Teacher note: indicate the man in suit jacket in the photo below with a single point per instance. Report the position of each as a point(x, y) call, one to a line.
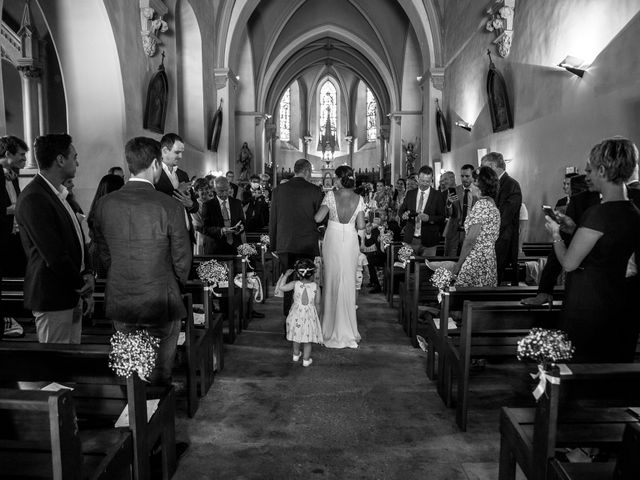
point(424, 211)
point(508, 201)
point(175, 182)
point(148, 258)
point(292, 228)
point(458, 208)
point(222, 221)
point(58, 278)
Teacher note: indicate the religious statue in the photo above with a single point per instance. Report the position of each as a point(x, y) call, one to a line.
point(244, 159)
point(410, 158)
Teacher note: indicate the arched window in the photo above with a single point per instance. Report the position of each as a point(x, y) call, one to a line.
point(285, 116)
point(372, 117)
point(328, 108)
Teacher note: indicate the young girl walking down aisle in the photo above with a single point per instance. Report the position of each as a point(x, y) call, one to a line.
point(303, 323)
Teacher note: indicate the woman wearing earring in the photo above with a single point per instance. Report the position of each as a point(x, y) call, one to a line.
point(340, 257)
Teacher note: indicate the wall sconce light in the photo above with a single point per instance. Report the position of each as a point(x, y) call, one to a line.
point(574, 65)
point(419, 78)
point(465, 125)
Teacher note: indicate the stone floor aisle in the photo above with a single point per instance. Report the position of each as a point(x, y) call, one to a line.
point(369, 413)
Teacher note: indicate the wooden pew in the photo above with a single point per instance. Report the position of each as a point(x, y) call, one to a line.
point(488, 330)
point(39, 437)
point(562, 417)
point(454, 300)
point(99, 395)
point(391, 275)
point(537, 249)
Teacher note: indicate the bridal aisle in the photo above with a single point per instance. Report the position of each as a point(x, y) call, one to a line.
point(369, 413)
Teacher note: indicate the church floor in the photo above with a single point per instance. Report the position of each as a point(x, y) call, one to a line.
point(369, 413)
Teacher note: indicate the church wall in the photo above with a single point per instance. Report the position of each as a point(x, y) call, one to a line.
point(557, 116)
point(245, 104)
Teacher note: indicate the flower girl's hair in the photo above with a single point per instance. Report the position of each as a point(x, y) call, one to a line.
point(305, 268)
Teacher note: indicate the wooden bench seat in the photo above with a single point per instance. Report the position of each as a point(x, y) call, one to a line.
point(99, 395)
point(39, 438)
point(530, 437)
point(488, 330)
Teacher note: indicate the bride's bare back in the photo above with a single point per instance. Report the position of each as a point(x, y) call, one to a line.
point(346, 204)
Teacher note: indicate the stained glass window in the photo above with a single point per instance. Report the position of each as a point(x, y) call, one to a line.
point(372, 117)
point(285, 116)
point(328, 106)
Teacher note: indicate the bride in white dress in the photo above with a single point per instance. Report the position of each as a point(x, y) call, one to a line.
point(340, 256)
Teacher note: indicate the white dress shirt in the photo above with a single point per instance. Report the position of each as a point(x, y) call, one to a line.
point(171, 173)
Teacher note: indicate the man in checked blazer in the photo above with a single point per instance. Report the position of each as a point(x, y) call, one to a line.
point(423, 209)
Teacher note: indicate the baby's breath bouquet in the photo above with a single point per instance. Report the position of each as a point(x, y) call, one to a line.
point(265, 240)
point(442, 279)
point(385, 239)
point(405, 253)
point(133, 352)
point(212, 272)
point(246, 250)
point(546, 347)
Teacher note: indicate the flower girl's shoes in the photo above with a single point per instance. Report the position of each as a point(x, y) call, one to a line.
point(296, 357)
point(306, 363)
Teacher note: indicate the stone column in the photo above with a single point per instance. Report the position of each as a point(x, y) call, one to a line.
point(349, 139)
point(227, 86)
point(30, 109)
point(305, 146)
point(384, 141)
point(270, 132)
point(431, 91)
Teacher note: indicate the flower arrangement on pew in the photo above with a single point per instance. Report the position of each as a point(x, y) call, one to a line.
point(546, 347)
point(405, 253)
point(245, 251)
point(442, 279)
point(133, 352)
point(385, 239)
point(213, 274)
point(265, 241)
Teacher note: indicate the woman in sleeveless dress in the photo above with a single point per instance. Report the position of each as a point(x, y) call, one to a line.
point(340, 256)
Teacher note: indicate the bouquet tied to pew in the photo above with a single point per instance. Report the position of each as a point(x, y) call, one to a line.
point(247, 250)
point(404, 255)
point(385, 239)
point(265, 241)
point(546, 347)
point(212, 273)
point(442, 279)
point(133, 352)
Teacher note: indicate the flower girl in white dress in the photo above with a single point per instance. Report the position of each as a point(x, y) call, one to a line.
point(303, 323)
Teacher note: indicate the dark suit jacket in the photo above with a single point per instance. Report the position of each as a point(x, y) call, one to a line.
point(164, 185)
point(143, 240)
point(455, 211)
point(292, 227)
point(434, 207)
point(234, 189)
point(6, 221)
point(212, 223)
point(54, 253)
point(508, 201)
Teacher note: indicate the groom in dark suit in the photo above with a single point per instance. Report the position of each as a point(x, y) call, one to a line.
point(292, 227)
point(508, 201)
point(148, 258)
point(423, 209)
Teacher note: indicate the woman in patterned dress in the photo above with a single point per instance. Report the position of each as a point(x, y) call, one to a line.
point(477, 266)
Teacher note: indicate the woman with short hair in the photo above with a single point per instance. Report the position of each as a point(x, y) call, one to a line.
point(598, 312)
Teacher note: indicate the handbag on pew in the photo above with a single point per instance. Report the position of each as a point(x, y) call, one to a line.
point(253, 282)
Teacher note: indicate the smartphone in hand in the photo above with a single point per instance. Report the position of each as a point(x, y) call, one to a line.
point(452, 190)
point(548, 211)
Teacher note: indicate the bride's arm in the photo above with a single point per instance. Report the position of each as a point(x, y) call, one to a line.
point(360, 224)
point(319, 217)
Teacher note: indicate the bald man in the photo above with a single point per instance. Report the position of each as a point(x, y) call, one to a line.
point(223, 221)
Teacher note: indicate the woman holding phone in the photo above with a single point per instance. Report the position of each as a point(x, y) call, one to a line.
point(599, 316)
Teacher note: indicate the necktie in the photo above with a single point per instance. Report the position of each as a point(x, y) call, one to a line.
point(465, 205)
point(227, 220)
point(419, 211)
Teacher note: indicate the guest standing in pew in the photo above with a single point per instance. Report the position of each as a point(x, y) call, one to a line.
point(222, 221)
point(508, 200)
point(600, 315)
point(477, 266)
point(13, 261)
point(59, 281)
point(579, 202)
point(143, 240)
point(423, 210)
point(458, 206)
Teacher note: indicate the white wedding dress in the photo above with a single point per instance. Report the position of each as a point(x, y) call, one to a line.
point(340, 256)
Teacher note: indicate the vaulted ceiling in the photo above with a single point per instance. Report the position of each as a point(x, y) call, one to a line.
point(365, 38)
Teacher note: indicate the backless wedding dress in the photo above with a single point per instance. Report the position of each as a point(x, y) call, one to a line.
point(340, 256)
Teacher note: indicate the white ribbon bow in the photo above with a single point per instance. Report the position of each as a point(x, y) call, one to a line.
point(544, 377)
